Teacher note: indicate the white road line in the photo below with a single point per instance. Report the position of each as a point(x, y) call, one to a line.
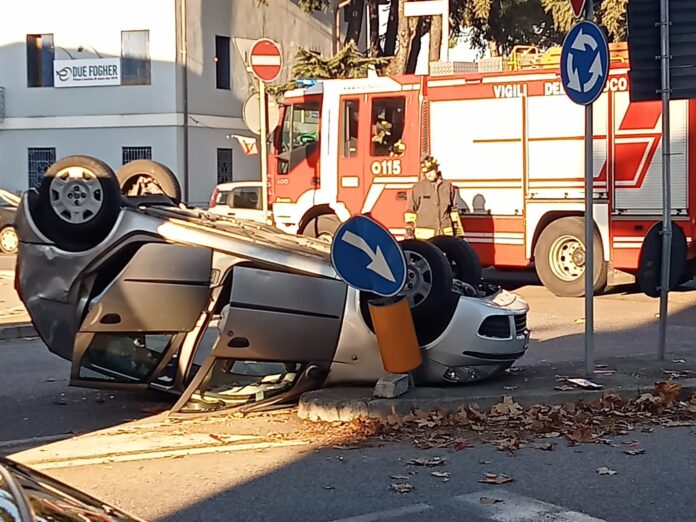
point(517, 508)
point(389, 513)
point(34, 440)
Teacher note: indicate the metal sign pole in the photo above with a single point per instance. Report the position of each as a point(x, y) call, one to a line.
point(263, 147)
point(666, 177)
point(589, 228)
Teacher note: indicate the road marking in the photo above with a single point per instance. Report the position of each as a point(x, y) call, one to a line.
point(20, 443)
point(131, 457)
point(517, 508)
point(387, 514)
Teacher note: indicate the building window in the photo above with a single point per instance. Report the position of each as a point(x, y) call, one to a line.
point(135, 57)
point(129, 154)
point(224, 165)
point(40, 55)
point(222, 62)
point(39, 161)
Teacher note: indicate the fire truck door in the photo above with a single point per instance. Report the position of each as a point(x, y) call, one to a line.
point(392, 158)
point(351, 154)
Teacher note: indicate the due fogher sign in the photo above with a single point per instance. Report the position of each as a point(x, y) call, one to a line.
point(87, 73)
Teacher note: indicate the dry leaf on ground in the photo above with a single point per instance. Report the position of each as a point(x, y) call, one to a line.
point(606, 471)
point(440, 474)
point(490, 501)
point(402, 488)
point(493, 478)
point(544, 446)
point(430, 463)
point(399, 477)
point(635, 452)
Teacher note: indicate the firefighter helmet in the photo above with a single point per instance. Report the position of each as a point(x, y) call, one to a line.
point(429, 163)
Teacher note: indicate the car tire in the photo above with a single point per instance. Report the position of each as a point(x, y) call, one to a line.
point(462, 257)
point(559, 257)
point(77, 203)
point(146, 177)
point(9, 241)
point(322, 227)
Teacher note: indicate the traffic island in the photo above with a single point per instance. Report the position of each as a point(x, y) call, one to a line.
point(548, 384)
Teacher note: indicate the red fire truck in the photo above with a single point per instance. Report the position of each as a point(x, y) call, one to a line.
point(513, 144)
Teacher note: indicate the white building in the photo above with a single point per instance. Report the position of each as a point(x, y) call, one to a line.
point(167, 81)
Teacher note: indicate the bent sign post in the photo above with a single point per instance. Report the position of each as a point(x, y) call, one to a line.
point(584, 71)
point(265, 62)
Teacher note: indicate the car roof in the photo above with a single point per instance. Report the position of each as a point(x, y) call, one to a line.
point(236, 184)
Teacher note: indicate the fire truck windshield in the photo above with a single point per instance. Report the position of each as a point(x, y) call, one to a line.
point(300, 126)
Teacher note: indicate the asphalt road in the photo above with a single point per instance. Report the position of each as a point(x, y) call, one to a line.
point(329, 484)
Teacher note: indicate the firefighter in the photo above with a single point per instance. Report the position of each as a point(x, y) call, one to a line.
point(432, 208)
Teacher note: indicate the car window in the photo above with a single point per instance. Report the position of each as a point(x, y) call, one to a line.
point(132, 356)
point(222, 197)
point(245, 197)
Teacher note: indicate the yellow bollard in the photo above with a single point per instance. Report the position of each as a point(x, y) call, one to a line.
point(396, 335)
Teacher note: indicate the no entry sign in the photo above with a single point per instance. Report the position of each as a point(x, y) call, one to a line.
point(266, 60)
point(578, 7)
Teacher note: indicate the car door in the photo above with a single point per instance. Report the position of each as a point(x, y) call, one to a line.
point(135, 322)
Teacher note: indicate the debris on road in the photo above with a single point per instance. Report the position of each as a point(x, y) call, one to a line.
point(490, 501)
point(606, 471)
point(402, 488)
point(633, 453)
point(495, 478)
point(440, 474)
point(585, 384)
point(429, 463)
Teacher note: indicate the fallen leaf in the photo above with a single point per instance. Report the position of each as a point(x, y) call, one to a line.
point(510, 388)
point(606, 471)
point(552, 435)
point(352, 447)
point(582, 434)
point(543, 446)
point(584, 383)
point(564, 387)
point(678, 361)
point(402, 488)
point(398, 477)
point(647, 429)
point(462, 444)
point(677, 424)
point(635, 452)
point(581, 320)
point(440, 474)
point(493, 478)
point(430, 463)
point(490, 501)
point(329, 487)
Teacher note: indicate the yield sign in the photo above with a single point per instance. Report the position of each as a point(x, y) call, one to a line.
point(578, 7)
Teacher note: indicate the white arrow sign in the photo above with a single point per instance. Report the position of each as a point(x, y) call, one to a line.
point(378, 263)
point(596, 72)
point(573, 75)
point(583, 40)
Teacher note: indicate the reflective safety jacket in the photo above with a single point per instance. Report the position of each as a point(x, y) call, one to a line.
point(432, 209)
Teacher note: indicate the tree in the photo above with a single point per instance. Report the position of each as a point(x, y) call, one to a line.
point(610, 14)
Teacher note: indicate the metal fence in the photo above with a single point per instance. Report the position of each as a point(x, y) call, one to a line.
point(39, 161)
point(129, 154)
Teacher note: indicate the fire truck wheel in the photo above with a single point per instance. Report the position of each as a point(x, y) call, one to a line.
point(462, 258)
point(322, 227)
point(77, 203)
point(559, 257)
point(143, 177)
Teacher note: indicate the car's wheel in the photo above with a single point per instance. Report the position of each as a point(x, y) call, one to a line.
point(559, 257)
point(9, 240)
point(77, 203)
point(428, 290)
point(462, 257)
point(322, 227)
point(428, 277)
point(145, 177)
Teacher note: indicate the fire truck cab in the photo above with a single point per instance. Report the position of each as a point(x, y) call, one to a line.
point(513, 144)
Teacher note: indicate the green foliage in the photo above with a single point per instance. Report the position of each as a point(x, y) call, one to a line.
point(307, 5)
point(610, 14)
point(349, 62)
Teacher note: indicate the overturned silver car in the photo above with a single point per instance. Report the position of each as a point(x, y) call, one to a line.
point(130, 289)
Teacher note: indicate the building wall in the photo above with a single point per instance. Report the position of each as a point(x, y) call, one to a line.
point(98, 121)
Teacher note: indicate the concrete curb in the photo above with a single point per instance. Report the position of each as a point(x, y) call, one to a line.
point(12, 331)
point(347, 404)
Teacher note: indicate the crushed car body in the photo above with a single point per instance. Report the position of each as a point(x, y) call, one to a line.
point(131, 289)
